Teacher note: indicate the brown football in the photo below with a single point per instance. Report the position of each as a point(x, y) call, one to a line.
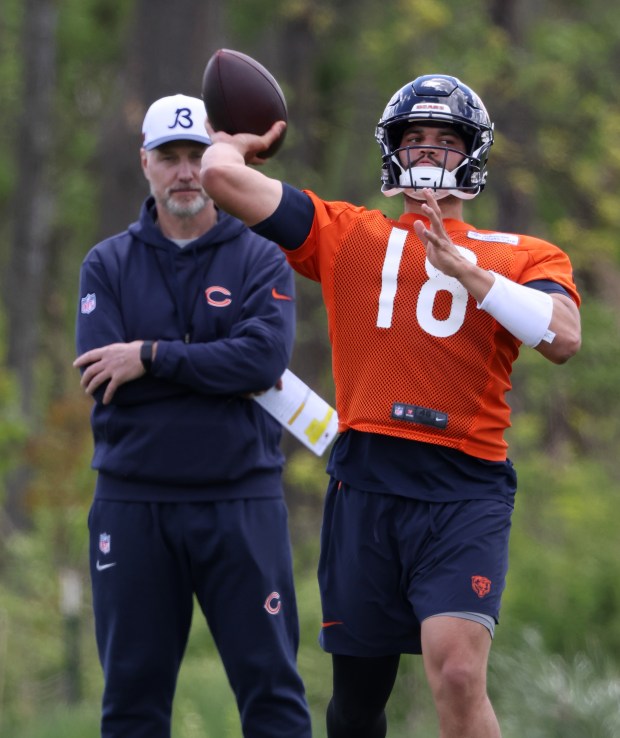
point(241, 96)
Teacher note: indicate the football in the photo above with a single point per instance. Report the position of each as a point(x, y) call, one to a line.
point(241, 96)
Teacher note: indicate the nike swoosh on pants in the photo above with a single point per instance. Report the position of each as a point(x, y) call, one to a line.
point(101, 567)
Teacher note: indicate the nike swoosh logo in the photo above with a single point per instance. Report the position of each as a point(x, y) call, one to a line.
point(101, 567)
point(278, 296)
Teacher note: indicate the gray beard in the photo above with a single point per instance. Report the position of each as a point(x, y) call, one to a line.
point(185, 210)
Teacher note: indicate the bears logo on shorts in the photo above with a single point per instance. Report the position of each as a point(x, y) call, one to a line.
point(480, 585)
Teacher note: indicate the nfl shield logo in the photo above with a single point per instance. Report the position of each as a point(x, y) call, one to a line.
point(104, 543)
point(88, 303)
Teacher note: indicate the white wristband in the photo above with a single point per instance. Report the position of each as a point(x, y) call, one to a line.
point(523, 311)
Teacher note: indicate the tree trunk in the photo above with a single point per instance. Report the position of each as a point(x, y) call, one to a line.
point(32, 212)
point(33, 199)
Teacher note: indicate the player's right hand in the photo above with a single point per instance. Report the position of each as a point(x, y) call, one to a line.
point(249, 145)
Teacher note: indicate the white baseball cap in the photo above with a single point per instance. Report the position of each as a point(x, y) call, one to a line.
point(175, 118)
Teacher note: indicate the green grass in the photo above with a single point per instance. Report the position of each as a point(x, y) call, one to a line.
point(536, 693)
point(81, 721)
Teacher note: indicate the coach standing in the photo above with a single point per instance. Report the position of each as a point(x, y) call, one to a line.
point(182, 317)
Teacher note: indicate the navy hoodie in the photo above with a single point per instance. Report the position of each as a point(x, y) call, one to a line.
point(223, 313)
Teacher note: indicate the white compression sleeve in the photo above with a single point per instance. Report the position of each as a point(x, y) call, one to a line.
point(523, 311)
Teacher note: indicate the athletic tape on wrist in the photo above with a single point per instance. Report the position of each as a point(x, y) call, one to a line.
point(523, 311)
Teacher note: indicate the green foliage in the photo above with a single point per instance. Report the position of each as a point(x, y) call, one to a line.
point(74, 722)
point(33, 562)
point(13, 430)
point(563, 575)
point(305, 483)
point(33, 639)
point(549, 696)
point(570, 408)
point(553, 72)
point(204, 706)
point(564, 547)
point(90, 35)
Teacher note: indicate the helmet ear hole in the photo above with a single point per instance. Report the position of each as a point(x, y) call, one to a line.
point(435, 99)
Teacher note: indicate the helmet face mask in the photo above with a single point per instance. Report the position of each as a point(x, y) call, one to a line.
point(434, 100)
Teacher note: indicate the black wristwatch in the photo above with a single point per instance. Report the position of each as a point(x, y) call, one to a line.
point(146, 355)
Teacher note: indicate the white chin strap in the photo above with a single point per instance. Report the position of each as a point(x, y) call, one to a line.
point(417, 178)
point(438, 179)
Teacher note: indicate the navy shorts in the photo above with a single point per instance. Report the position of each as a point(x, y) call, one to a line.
point(388, 562)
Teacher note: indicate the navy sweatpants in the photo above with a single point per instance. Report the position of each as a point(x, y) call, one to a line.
point(148, 560)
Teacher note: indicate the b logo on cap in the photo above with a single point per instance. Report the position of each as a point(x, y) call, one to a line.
point(183, 118)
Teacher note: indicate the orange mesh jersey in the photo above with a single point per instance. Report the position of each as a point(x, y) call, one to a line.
point(404, 332)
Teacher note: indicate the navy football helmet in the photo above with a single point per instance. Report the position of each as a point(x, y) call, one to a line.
point(434, 98)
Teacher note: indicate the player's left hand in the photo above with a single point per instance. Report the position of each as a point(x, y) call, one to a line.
point(440, 250)
point(115, 363)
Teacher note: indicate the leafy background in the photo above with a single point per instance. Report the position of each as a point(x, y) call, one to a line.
point(76, 77)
